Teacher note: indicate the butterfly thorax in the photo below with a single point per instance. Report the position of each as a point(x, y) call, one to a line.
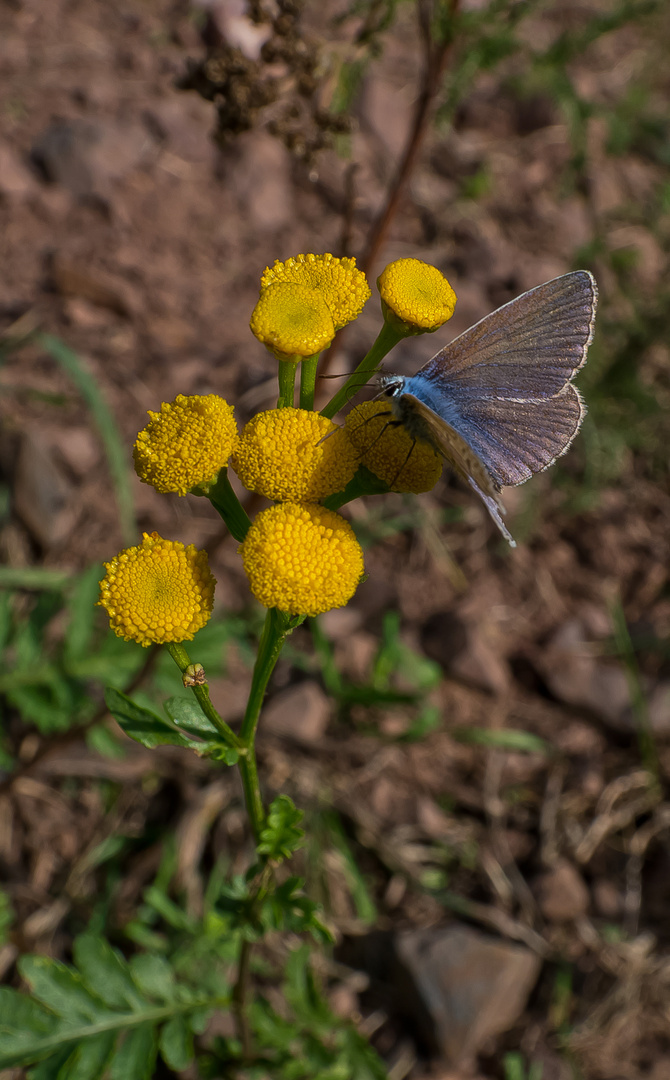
point(393, 388)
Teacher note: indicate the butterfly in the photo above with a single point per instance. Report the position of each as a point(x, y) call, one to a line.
point(498, 402)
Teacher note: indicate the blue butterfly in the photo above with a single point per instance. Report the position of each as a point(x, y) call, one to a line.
point(498, 402)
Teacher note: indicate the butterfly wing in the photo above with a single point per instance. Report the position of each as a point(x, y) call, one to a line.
point(528, 349)
point(497, 402)
point(517, 439)
point(425, 424)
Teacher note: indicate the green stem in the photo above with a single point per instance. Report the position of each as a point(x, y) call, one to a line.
point(386, 339)
point(308, 382)
point(240, 996)
point(183, 661)
point(363, 483)
point(252, 791)
point(226, 503)
point(270, 646)
point(287, 373)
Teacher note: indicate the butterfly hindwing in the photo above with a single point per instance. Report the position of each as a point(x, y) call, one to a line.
point(425, 424)
point(516, 439)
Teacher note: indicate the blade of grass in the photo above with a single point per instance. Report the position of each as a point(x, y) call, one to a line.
point(509, 739)
point(625, 649)
point(114, 445)
point(34, 577)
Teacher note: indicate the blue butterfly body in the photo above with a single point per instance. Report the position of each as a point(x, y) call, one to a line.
point(498, 402)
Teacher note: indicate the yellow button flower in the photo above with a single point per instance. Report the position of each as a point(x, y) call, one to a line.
point(159, 591)
point(302, 559)
point(186, 444)
point(344, 288)
point(292, 320)
point(284, 455)
point(416, 297)
point(389, 451)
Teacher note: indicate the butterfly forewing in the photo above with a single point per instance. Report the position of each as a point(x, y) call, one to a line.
point(528, 349)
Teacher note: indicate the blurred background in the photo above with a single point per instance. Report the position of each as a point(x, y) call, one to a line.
point(480, 739)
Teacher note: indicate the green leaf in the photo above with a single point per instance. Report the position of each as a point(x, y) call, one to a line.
point(103, 968)
point(281, 835)
point(19, 1013)
point(104, 1018)
point(50, 1068)
point(140, 724)
point(61, 989)
point(187, 714)
point(153, 976)
point(137, 1056)
point(90, 1059)
point(176, 1043)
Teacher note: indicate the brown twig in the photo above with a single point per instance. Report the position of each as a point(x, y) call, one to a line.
point(435, 57)
point(435, 62)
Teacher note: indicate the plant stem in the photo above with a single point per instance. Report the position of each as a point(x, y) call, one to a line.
point(436, 55)
point(240, 996)
point(308, 382)
point(386, 339)
point(183, 661)
point(287, 373)
point(270, 645)
point(226, 503)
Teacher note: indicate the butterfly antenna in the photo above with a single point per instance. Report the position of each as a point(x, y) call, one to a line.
point(409, 454)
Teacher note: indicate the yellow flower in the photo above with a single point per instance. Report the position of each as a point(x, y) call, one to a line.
point(284, 455)
point(186, 444)
point(343, 287)
point(416, 297)
point(292, 320)
point(302, 559)
point(389, 451)
point(157, 592)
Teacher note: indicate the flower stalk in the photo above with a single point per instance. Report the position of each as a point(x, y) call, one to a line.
point(387, 338)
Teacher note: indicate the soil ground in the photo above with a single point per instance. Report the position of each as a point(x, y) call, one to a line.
point(130, 235)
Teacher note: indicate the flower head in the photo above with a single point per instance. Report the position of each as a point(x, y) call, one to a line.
point(292, 320)
point(186, 444)
point(302, 559)
point(157, 592)
point(389, 451)
point(284, 455)
point(416, 297)
point(343, 288)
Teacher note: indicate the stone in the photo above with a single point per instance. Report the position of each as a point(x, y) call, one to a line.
point(42, 494)
point(561, 893)
point(467, 986)
point(16, 180)
point(576, 675)
point(85, 157)
point(301, 713)
point(465, 651)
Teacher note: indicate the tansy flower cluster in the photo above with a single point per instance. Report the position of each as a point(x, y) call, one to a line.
point(304, 301)
point(415, 296)
point(300, 556)
point(159, 591)
point(186, 444)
